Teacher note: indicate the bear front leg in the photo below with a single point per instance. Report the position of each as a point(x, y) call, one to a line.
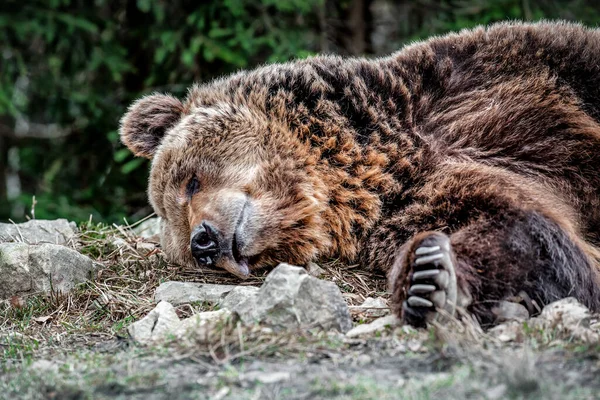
point(427, 274)
point(501, 234)
point(491, 259)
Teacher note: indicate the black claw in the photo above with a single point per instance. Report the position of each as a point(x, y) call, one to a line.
point(414, 316)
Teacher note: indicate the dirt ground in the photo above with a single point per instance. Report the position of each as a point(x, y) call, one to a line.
point(75, 346)
point(398, 365)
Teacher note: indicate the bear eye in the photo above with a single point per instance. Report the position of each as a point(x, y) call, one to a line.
point(192, 187)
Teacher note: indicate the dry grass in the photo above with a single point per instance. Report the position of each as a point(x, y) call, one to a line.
point(123, 289)
point(355, 283)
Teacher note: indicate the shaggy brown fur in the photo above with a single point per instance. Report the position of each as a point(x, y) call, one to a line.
point(490, 136)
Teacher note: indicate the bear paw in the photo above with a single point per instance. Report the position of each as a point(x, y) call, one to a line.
point(432, 283)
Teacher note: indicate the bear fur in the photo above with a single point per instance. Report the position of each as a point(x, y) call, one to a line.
point(467, 167)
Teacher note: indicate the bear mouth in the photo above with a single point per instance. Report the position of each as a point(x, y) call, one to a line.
point(242, 261)
point(235, 262)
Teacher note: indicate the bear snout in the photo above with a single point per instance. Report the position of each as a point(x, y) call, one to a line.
point(220, 243)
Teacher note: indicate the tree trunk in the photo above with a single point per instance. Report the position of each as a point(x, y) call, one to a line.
point(4, 208)
point(350, 27)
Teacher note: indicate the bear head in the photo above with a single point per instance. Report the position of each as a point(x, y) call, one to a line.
point(235, 189)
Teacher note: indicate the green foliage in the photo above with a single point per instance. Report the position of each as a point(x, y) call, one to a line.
point(72, 67)
point(438, 17)
point(79, 64)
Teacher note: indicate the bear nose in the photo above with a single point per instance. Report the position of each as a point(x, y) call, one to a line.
point(205, 244)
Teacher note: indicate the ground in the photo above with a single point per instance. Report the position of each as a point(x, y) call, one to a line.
point(76, 347)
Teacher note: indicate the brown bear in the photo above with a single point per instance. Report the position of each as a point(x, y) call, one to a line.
point(467, 167)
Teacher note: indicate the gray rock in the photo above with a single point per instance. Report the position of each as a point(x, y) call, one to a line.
point(378, 325)
point(571, 318)
point(496, 392)
point(509, 311)
point(374, 307)
point(239, 295)
point(27, 269)
point(267, 378)
point(45, 366)
point(290, 299)
point(314, 269)
point(149, 229)
point(178, 293)
point(568, 313)
point(119, 243)
point(162, 324)
point(203, 326)
point(36, 231)
point(567, 317)
point(510, 331)
point(156, 325)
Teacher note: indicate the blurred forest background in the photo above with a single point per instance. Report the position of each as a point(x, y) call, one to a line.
point(69, 69)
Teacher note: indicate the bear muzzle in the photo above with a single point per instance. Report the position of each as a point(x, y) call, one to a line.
point(216, 249)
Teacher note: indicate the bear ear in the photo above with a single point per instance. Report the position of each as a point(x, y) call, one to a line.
point(146, 122)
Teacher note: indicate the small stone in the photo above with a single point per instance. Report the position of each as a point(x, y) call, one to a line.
point(378, 325)
point(292, 299)
point(509, 311)
point(374, 307)
point(9, 338)
point(59, 231)
point(567, 312)
point(149, 229)
point(27, 269)
point(162, 324)
point(119, 243)
point(44, 366)
point(155, 326)
point(178, 293)
point(202, 326)
point(237, 296)
point(363, 359)
point(496, 392)
point(569, 317)
point(145, 247)
point(414, 345)
point(267, 377)
point(510, 331)
point(314, 269)
point(224, 391)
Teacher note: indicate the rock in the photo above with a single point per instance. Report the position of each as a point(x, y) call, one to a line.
point(149, 229)
point(239, 295)
point(162, 323)
point(509, 311)
point(510, 331)
point(291, 299)
point(496, 392)
point(155, 326)
point(364, 359)
point(119, 243)
point(268, 377)
point(11, 338)
point(146, 247)
point(27, 269)
point(376, 326)
point(202, 326)
point(415, 345)
point(314, 269)
point(178, 293)
point(36, 231)
point(44, 367)
point(567, 317)
point(373, 307)
point(568, 313)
